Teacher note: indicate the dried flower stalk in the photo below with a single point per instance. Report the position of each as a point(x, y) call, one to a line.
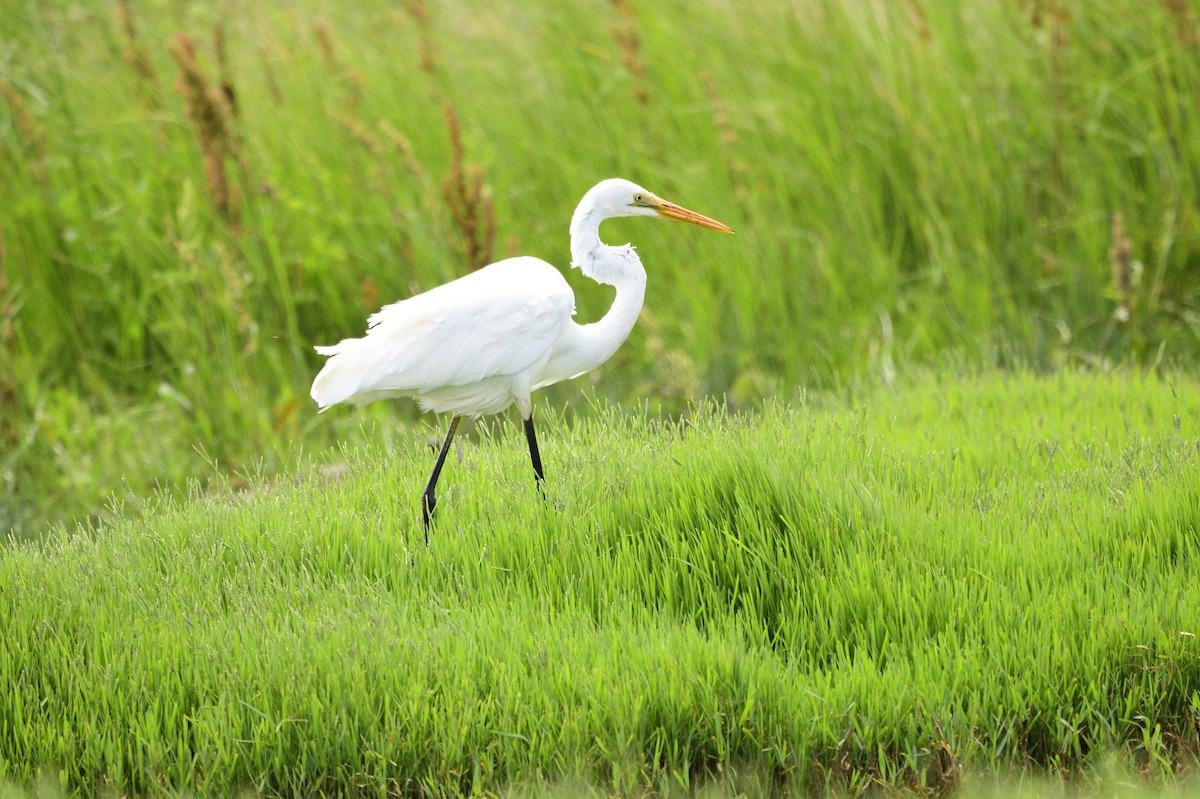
point(8, 345)
point(1185, 21)
point(209, 113)
point(1120, 259)
point(625, 32)
point(223, 75)
point(469, 202)
point(920, 21)
point(31, 134)
point(428, 53)
point(135, 55)
point(404, 147)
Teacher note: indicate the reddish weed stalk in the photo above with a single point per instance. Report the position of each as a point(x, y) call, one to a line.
point(469, 202)
point(223, 75)
point(420, 14)
point(1185, 21)
point(31, 134)
point(135, 55)
point(8, 345)
point(210, 115)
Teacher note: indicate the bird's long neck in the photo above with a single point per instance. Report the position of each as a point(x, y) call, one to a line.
point(619, 267)
point(601, 339)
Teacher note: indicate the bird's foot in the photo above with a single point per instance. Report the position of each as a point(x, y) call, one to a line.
point(548, 501)
point(428, 503)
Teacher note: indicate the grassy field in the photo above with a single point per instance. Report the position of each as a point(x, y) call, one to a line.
point(817, 526)
point(197, 193)
point(991, 575)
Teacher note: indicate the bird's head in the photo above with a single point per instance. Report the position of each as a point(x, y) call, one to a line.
point(619, 197)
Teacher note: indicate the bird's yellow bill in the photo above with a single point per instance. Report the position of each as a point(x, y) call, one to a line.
point(672, 211)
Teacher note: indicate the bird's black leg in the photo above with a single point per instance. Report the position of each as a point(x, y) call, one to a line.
point(534, 455)
point(428, 500)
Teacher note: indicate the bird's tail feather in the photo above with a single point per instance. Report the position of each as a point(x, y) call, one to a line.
point(354, 374)
point(334, 383)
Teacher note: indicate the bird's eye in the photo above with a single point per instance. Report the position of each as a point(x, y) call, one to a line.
point(637, 198)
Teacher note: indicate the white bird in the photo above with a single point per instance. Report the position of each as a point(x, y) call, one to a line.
point(481, 343)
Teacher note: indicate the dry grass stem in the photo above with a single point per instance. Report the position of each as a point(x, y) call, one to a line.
point(325, 44)
point(920, 21)
point(426, 50)
point(235, 282)
point(370, 294)
point(738, 168)
point(1185, 21)
point(135, 54)
point(720, 116)
point(32, 136)
point(223, 75)
point(1053, 15)
point(6, 310)
point(403, 146)
point(209, 114)
point(350, 78)
point(269, 74)
point(625, 33)
point(8, 345)
point(355, 127)
point(1120, 258)
point(469, 201)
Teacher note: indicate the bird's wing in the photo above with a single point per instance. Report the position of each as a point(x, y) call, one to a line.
point(500, 320)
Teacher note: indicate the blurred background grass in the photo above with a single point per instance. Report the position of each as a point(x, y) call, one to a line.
point(196, 193)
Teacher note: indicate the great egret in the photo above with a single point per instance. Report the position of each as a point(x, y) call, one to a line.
point(478, 344)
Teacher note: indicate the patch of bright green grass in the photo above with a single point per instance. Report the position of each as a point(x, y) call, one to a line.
point(907, 180)
point(986, 575)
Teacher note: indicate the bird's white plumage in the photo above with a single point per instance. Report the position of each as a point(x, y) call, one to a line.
point(483, 342)
point(472, 346)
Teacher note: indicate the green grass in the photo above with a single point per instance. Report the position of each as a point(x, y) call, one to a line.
point(909, 579)
point(990, 575)
point(910, 182)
